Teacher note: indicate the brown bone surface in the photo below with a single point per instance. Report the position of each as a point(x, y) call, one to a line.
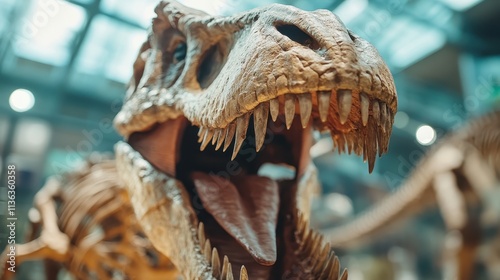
point(214, 101)
point(460, 175)
point(84, 223)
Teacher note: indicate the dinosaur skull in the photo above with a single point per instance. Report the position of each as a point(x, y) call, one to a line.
point(256, 83)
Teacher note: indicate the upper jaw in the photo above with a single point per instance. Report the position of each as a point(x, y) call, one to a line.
point(262, 60)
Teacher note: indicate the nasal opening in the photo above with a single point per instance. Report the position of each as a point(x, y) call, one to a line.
point(298, 35)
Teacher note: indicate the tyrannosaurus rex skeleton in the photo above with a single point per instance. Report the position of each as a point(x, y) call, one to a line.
point(238, 83)
point(461, 171)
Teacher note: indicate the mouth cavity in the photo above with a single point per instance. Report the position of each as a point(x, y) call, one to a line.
point(239, 204)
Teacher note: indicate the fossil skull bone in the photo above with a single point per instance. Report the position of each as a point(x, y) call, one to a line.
point(214, 215)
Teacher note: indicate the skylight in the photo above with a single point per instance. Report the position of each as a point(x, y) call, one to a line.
point(48, 31)
point(110, 49)
point(461, 5)
point(140, 12)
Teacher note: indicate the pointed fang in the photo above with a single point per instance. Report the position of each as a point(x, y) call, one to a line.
point(365, 108)
point(305, 105)
point(323, 104)
point(260, 116)
point(274, 107)
point(344, 99)
point(289, 110)
point(241, 133)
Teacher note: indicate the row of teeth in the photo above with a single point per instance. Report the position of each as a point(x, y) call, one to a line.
point(324, 265)
point(212, 256)
point(381, 116)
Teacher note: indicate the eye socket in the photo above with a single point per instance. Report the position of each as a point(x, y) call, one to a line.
point(211, 64)
point(180, 52)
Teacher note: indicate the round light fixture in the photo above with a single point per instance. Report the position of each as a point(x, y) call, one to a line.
point(21, 100)
point(426, 135)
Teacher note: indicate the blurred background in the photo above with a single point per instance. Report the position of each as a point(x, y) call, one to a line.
point(64, 66)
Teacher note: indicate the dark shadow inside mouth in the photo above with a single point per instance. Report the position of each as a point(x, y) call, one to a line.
point(278, 150)
point(173, 148)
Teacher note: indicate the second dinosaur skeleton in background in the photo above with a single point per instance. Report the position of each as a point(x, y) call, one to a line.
point(83, 222)
point(460, 171)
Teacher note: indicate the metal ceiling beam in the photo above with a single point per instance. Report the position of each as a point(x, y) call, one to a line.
point(454, 35)
point(92, 12)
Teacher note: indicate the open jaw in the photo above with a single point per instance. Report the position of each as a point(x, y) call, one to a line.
point(236, 199)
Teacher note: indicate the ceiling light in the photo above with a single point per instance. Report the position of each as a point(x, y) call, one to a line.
point(401, 120)
point(426, 135)
point(21, 100)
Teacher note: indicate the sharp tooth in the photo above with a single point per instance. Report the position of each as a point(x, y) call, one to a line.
point(365, 104)
point(365, 148)
point(358, 145)
point(260, 116)
point(349, 139)
point(225, 268)
point(319, 260)
point(388, 130)
point(207, 250)
point(216, 136)
point(306, 239)
point(215, 263)
point(305, 105)
point(241, 133)
point(201, 233)
point(289, 109)
point(301, 225)
point(231, 129)
point(341, 143)
point(388, 120)
point(323, 104)
point(380, 142)
point(274, 106)
point(345, 275)
point(229, 275)
point(376, 112)
point(335, 269)
point(243, 273)
point(201, 134)
point(316, 244)
point(344, 98)
point(383, 116)
point(310, 241)
point(371, 144)
point(327, 270)
point(220, 138)
point(206, 139)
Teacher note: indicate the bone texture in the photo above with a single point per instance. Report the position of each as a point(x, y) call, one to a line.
point(87, 200)
point(459, 172)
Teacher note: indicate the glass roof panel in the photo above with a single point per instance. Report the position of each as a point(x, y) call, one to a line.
point(5, 12)
point(416, 42)
point(82, 1)
point(48, 31)
point(137, 11)
point(404, 40)
point(103, 54)
point(461, 5)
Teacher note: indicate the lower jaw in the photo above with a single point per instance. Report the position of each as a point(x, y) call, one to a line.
point(164, 207)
